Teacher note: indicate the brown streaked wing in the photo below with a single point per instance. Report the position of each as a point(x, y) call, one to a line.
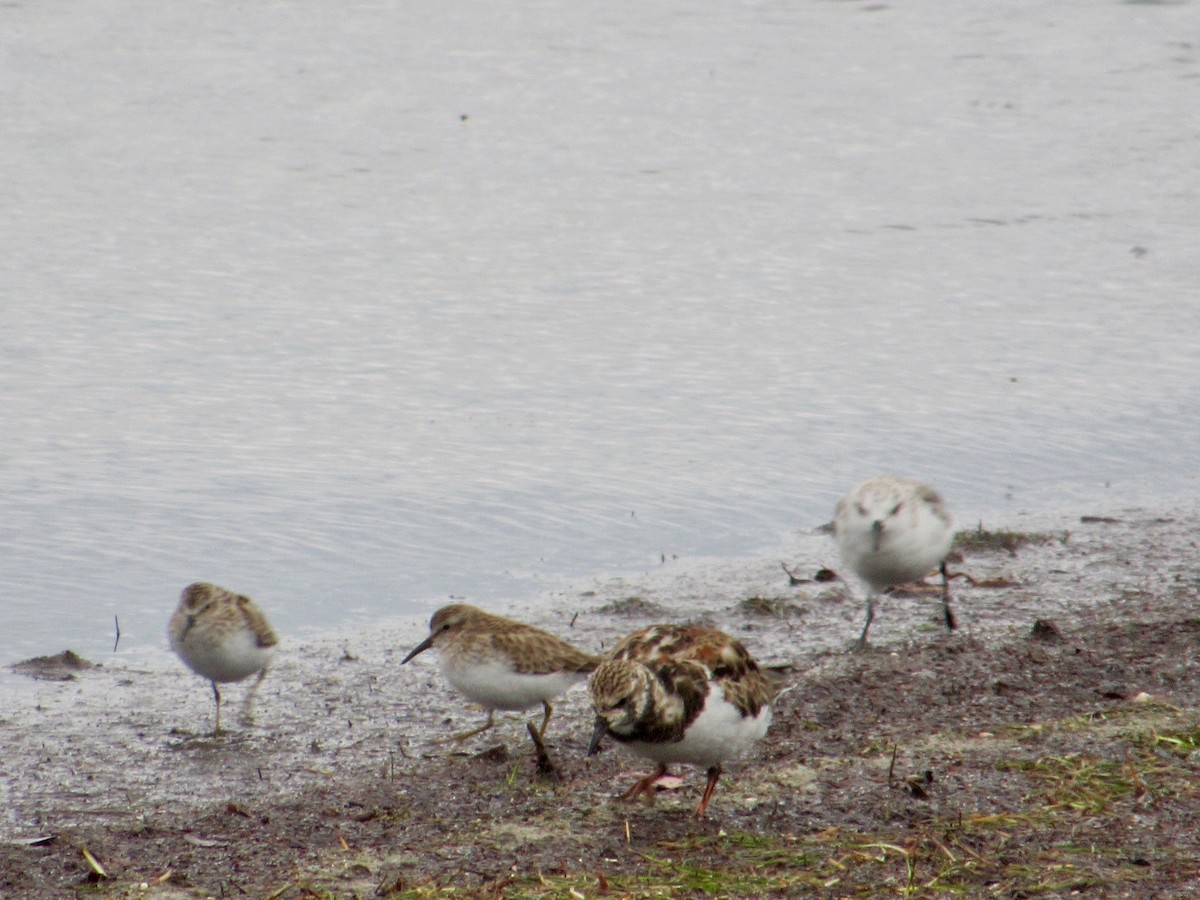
point(749, 693)
point(537, 652)
point(727, 662)
point(717, 651)
point(934, 499)
point(742, 682)
point(686, 679)
point(684, 656)
point(263, 635)
point(640, 645)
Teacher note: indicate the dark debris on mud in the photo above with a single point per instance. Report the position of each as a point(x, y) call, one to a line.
point(59, 667)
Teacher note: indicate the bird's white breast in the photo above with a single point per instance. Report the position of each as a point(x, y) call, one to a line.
point(720, 732)
point(234, 656)
point(496, 686)
point(911, 543)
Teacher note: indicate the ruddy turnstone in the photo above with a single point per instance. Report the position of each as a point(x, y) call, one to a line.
point(890, 531)
point(502, 664)
point(222, 636)
point(680, 694)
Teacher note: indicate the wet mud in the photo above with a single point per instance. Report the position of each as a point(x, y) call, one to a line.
point(988, 760)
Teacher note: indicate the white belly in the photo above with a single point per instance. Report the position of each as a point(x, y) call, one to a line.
point(497, 687)
point(719, 733)
point(908, 550)
point(234, 657)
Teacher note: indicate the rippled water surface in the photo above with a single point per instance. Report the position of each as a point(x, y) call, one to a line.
point(352, 307)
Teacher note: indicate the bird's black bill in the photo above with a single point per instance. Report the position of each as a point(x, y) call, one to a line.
point(598, 734)
point(876, 535)
point(420, 648)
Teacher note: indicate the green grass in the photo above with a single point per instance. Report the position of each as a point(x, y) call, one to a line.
point(1077, 782)
point(1184, 743)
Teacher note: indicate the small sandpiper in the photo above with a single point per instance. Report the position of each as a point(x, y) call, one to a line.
point(680, 694)
point(221, 636)
point(891, 531)
point(503, 664)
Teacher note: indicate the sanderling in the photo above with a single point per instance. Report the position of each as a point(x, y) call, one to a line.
point(891, 531)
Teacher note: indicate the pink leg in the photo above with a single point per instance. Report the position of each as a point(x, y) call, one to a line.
point(645, 785)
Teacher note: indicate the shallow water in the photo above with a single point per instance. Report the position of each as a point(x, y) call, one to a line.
point(354, 308)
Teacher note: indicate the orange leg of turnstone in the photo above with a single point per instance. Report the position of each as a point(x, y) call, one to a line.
point(645, 786)
point(714, 775)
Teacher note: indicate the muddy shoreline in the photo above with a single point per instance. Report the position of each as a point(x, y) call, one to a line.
point(994, 761)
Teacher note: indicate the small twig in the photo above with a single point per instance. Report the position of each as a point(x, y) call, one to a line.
point(792, 579)
point(93, 863)
point(573, 618)
point(967, 850)
point(950, 576)
point(117, 622)
point(943, 848)
point(892, 765)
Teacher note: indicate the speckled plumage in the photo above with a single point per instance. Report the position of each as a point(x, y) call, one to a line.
point(500, 663)
point(221, 636)
point(891, 531)
point(680, 694)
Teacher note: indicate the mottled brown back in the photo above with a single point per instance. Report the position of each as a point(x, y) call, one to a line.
point(202, 601)
point(685, 657)
point(531, 650)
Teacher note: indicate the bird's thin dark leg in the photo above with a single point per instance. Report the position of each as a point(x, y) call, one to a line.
point(862, 640)
point(544, 765)
point(217, 725)
point(951, 622)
